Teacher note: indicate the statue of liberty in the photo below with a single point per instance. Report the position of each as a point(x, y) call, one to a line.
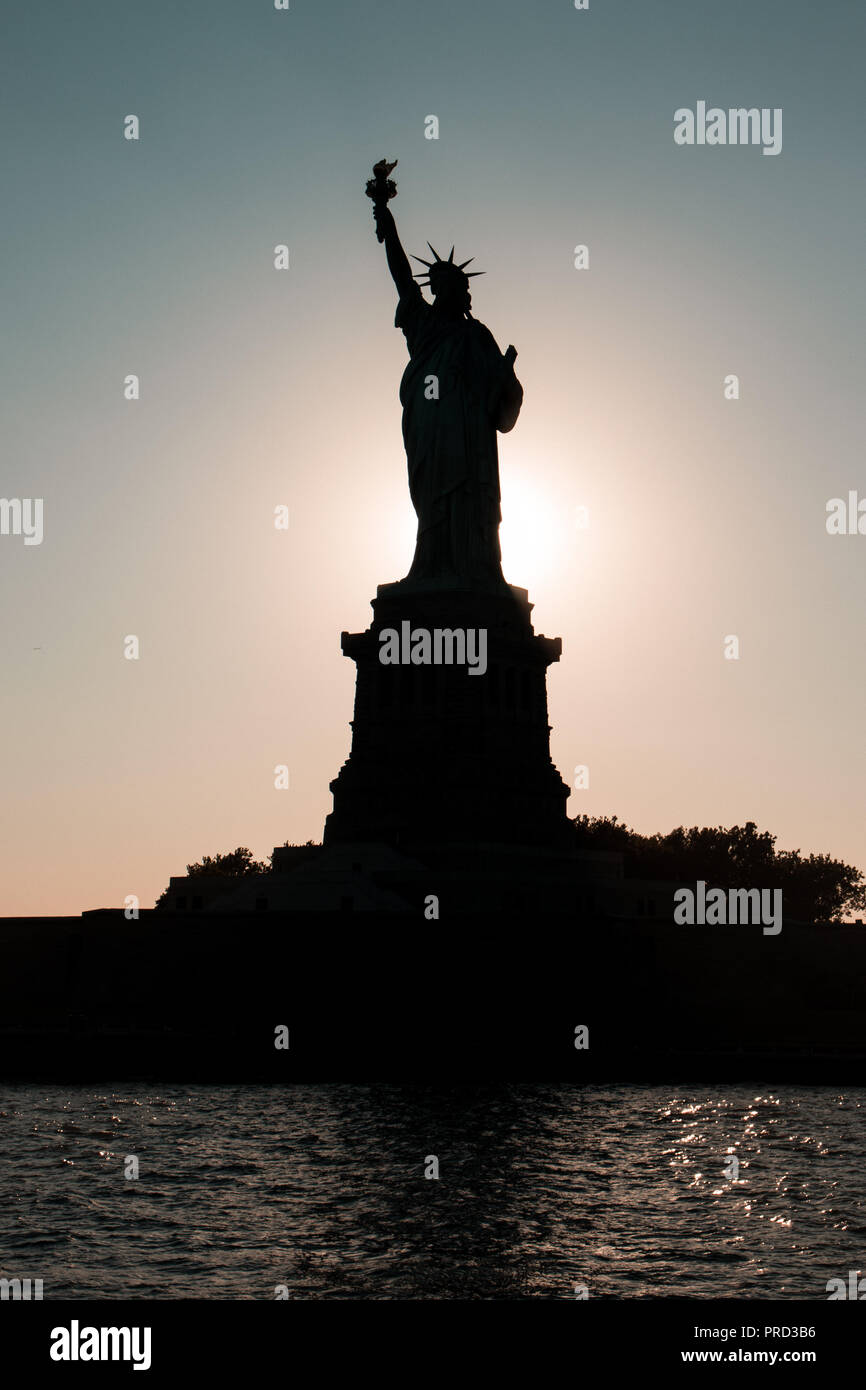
point(457, 391)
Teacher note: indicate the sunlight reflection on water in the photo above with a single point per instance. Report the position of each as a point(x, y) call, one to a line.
point(541, 1188)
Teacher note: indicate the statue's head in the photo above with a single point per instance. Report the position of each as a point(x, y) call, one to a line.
point(449, 283)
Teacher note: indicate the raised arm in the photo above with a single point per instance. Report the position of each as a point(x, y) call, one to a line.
point(398, 261)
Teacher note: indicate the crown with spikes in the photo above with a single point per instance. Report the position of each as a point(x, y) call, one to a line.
point(437, 267)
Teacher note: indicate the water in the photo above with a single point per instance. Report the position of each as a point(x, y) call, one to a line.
point(322, 1189)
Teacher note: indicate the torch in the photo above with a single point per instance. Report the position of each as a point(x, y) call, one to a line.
point(381, 188)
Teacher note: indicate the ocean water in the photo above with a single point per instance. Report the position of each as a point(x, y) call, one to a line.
point(322, 1190)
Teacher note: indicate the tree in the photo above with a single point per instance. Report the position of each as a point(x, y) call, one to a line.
point(292, 844)
point(239, 863)
point(816, 889)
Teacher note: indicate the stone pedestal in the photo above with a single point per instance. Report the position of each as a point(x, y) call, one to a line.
point(442, 755)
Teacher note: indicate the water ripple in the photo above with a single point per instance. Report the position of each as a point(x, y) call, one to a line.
point(628, 1191)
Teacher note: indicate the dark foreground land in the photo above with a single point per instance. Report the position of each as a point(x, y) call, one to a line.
point(197, 996)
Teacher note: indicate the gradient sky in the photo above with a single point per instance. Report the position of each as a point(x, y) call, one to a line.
point(259, 387)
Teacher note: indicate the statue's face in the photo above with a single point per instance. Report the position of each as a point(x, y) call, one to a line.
point(453, 297)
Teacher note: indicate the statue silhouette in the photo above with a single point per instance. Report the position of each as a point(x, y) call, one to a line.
point(457, 391)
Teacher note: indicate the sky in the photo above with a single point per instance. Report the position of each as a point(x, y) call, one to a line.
point(262, 387)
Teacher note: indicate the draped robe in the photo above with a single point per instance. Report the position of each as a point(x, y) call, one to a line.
point(451, 444)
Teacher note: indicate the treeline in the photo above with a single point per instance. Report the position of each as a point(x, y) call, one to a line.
point(238, 863)
point(815, 888)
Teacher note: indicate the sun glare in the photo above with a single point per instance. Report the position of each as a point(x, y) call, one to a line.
point(532, 532)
